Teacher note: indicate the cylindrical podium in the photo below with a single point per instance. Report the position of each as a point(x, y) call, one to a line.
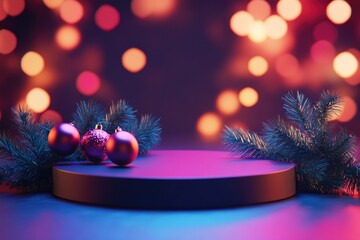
point(176, 179)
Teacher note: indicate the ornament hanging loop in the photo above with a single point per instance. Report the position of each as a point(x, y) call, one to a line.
point(118, 129)
point(98, 126)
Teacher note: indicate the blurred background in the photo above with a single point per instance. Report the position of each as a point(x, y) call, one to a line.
point(196, 64)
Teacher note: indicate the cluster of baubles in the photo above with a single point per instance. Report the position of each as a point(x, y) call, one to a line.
point(97, 145)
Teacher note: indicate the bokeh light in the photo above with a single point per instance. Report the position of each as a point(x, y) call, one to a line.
point(153, 8)
point(92, 58)
point(51, 116)
point(3, 14)
point(259, 9)
point(248, 97)
point(257, 32)
point(8, 41)
point(289, 9)
point(322, 52)
point(162, 8)
point(227, 102)
point(134, 60)
point(107, 17)
point(141, 8)
point(241, 22)
point(276, 27)
point(345, 64)
point(47, 78)
point(13, 7)
point(53, 4)
point(348, 110)
point(258, 66)
point(338, 11)
point(354, 80)
point(68, 37)
point(32, 63)
point(209, 125)
point(88, 83)
point(38, 100)
point(325, 31)
point(288, 67)
point(273, 48)
point(299, 49)
point(71, 11)
point(236, 66)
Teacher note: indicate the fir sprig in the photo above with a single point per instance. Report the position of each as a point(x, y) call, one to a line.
point(87, 115)
point(299, 110)
point(244, 144)
point(26, 160)
point(286, 142)
point(324, 158)
point(147, 130)
point(26, 157)
point(120, 114)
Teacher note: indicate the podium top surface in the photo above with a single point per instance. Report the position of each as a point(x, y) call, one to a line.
point(180, 164)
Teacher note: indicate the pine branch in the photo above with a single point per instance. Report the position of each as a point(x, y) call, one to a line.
point(244, 144)
point(299, 110)
point(122, 115)
point(87, 115)
point(341, 149)
point(147, 132)
point(26, 176)
point(9, 150)
point(28, 161)
point(311, 175)
point(286, 142)
point(324, 159)
point(24, 123)
point(352, 181)
point(328, 106)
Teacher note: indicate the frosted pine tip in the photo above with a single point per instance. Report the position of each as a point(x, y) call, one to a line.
point(98, 126)
point(118, 129)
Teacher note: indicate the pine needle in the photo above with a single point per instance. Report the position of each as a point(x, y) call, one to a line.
point(324, 158)
point(122, 115)
point(27, 159)
point(147, 131)
point(286, 142)
point(87, 115)
point(299, 110)
point(243, 143)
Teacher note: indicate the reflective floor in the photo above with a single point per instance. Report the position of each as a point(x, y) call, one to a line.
point(305, 216)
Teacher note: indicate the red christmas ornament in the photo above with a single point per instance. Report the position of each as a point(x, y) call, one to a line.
point(63, 139)
point(122, 147)
point(93, 144)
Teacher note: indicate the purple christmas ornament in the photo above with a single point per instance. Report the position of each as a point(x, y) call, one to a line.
point(63, 139)
point(122, 147)
point(93, 144)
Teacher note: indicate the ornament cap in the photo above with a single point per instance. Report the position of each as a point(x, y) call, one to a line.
point(98, 126)
point(118, 129)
